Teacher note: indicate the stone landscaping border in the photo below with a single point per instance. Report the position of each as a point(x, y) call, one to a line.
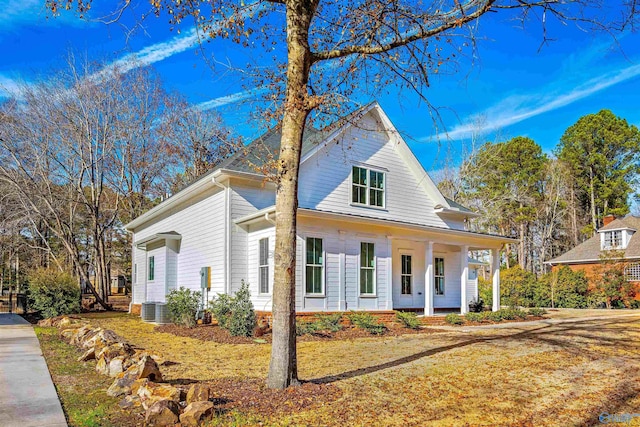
point(137, 376)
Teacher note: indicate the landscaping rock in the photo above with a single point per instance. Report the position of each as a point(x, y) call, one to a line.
point(80, 334)
point(150, 392)
point(162, 413)
point(118, 349)
point(68, 334)
point(115, 366)
point(146, 368)
point(64, 321)
point(103, 338)
point(198, 393)
point(87, 355)
point(102, 366)
point(196, 413)
point(129, 402)
point(46, 323)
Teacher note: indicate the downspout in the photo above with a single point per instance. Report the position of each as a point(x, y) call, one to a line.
point(227, 237)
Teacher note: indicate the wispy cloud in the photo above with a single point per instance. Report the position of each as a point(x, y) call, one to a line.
point(228, 99)
point(15, 13)
point(518, 108)
point(9, 87)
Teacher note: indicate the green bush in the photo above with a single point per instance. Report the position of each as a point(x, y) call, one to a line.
point(368, 322)
point(52, 293)
point(183, 306)
point(329, 322)
point(474, 317)
point(454, 319)
point(485, 291)
point(408, 319)
point(307, 328)
point(235, 313)
point(493, 316)
point(517, 287)
point(563, 288)
point(537, 311)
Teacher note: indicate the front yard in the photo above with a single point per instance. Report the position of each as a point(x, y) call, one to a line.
point(521, 374)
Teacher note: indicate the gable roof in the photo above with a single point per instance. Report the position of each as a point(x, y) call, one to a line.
point(590, 250)
point(249, 160)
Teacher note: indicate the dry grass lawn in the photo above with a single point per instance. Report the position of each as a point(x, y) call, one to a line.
point(526, 374)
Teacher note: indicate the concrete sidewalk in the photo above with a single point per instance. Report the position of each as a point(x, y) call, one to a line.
point(27, 395)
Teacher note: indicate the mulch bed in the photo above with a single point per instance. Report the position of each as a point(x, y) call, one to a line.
point(252, 396)
point(219, 335)
point(528, 319)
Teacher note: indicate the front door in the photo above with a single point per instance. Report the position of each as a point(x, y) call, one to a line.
point(408, 283)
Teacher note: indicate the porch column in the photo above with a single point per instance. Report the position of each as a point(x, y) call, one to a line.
point(464, 277)
point(495, 271)
point(428, 279)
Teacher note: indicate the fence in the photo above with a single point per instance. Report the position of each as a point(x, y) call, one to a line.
point(11, 302)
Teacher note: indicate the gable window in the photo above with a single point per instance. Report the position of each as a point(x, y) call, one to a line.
point(314, 266)
point(367, 187)
point(264, 265)
point(152, 267)
point(439, 275)
point(406, 275)
point(367, 269)
point(612, 239)
point(632, 272)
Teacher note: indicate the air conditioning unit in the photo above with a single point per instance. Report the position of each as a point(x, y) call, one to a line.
point(148, 312)
point(162, 313)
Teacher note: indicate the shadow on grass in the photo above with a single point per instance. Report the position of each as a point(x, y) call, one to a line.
point(544, 334)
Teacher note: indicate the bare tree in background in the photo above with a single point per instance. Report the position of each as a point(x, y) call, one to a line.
point(334, 49)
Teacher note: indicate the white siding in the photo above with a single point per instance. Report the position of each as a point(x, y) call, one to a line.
point(261, 302)
point(245, 200)
point(451, 297)
point(200, 222)
point(139, 259)
point(325, 178)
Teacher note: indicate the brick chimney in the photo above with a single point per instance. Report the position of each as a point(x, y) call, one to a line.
point(607, 220)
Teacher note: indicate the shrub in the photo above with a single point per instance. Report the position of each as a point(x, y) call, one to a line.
point(564, 288)
point(53, 292)
point(329, 322)
point(307, 328)
point(368, 322)
point(221, 309)
point(454, 319)
point(408, 319)
point(493, 316)
point(474, 317)
point(183, 306)
point(476, 306)
point(537, 311)
point(517, 287)
point(507, 314)
point(485, 291)
point(235, 313)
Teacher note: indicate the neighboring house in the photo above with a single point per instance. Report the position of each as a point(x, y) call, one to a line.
point(374, 231)
point(616, 238)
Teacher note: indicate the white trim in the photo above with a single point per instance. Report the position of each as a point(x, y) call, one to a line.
point(441, 256)
point(368, 187)
point(261, 266)
point(374, 294)
point(409, 253)
point(323, 293)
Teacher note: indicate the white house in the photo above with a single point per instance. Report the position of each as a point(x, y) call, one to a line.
point(374, 232)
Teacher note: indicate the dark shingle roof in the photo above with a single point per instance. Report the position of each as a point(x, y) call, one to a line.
point(591, 249)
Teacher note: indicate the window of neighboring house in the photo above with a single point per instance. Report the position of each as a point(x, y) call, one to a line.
point(439, 275)
point(314, 267)
point(367, 269)
point(135, 273)
point(632, 271)
point(406, 275)
point(367, 187)
point(613, 239)
point(152, 267)
point(264, 265)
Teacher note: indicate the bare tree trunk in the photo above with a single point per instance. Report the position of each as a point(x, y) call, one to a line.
point(283, 368)
point(592, 194)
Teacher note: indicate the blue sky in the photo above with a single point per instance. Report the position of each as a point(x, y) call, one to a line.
point(513, 87)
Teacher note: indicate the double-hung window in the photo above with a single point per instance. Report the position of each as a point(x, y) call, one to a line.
point(264, 265)
point(439, 275)
point(406, 275)
point(612, 239)
point(367, 269)
point(367, 187)
point(314, 267)
point(152, 267)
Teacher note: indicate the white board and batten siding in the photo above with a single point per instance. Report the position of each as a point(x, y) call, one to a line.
point(326, 182)
point(452, 272)
point(201, 223)
point(245, 200)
